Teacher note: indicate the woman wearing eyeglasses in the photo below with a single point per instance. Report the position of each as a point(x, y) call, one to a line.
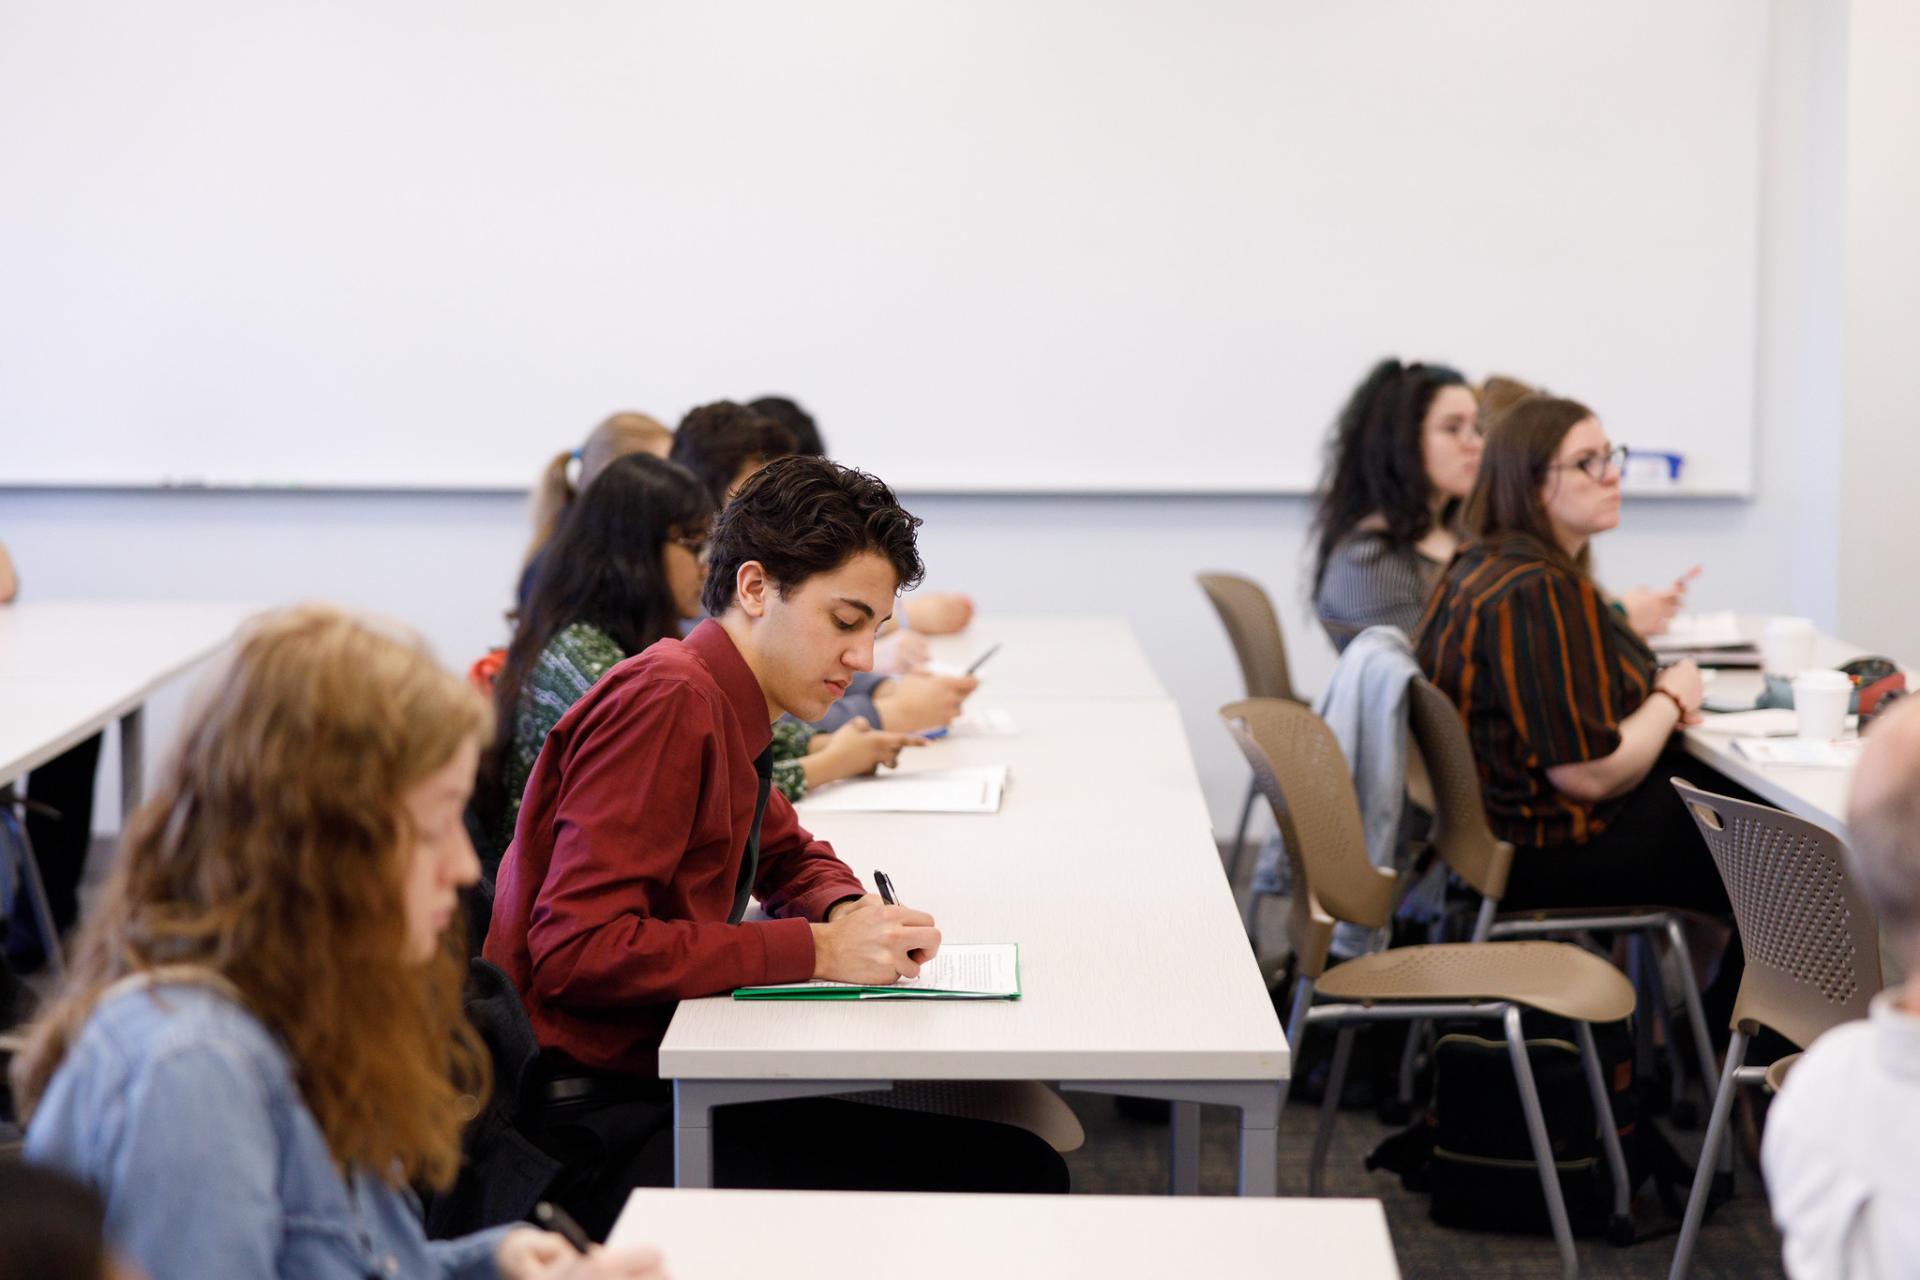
point(624, 569)
point(1403, 456)
point(1566, 708)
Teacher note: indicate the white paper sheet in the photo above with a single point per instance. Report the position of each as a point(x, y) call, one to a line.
point(976, 790)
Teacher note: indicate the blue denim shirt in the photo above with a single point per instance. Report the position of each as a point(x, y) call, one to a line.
point(181, 1108)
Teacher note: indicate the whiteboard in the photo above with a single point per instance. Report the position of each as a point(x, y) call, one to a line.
point(1000, 245)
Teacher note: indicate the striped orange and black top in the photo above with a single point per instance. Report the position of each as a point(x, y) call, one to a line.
point(1542, 672)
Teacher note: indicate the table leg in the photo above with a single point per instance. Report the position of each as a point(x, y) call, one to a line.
point(133, 762)
point(694, 1101)
point(1258, 1102)
point(1260, 1140)
point(1183, 1165)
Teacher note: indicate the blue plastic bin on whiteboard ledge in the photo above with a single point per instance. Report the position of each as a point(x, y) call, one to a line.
point(1651, 469)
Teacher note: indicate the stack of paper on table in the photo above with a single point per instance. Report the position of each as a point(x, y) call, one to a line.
point(960, 971)
point(918, 791)
point(1711, 639)
point(1804, 753)
point(1771, 722)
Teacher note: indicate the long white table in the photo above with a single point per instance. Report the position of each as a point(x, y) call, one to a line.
point(801, 1235)
point(70, 668)
point(1102, 866)
point(1053, 658)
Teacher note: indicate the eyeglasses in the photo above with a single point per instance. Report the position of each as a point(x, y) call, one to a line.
point(694, 542)
point(1596, 465)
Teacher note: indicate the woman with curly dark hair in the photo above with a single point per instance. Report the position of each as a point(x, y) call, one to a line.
point(1403, 457)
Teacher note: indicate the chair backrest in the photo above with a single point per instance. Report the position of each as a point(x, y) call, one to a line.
point(1463, 837)
point(1812, 943)
point(1298, 766)
point(1254, 629)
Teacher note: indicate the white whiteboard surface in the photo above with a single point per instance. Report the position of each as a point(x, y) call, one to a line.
point(999, 245)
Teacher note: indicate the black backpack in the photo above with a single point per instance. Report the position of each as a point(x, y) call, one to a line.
point(1471, 1151)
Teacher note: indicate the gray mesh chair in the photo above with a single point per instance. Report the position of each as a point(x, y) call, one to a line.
point(1812, 944)
point(1298, 766)
point(1254, 629)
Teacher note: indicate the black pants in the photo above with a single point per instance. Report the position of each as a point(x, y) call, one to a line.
point(607, 1146)
point(1650, 854)
point(65, 784)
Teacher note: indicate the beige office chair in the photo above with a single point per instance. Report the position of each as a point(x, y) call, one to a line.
point(1254, 629)
point(1298, 766)
point(1812, 944)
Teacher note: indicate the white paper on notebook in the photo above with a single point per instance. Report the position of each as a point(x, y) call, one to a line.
point(976, 790)
point(987, 722)
point(959, 971)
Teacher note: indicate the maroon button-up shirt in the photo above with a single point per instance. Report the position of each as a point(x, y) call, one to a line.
point(611, 903)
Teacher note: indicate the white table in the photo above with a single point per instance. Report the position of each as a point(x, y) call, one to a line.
point(1101, 865)
point(800, 1235)
point(70, 668)
point(1053, 658)
point(1818, 795)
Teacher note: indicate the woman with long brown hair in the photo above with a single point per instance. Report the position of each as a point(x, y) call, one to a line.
point(261, 1045)
point(1567, 710)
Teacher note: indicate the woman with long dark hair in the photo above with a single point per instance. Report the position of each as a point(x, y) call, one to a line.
point(1403, 455)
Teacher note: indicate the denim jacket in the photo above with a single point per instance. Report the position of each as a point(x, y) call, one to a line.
point(180, 1107)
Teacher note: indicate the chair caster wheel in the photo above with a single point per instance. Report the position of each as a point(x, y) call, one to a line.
point(1620, 1230)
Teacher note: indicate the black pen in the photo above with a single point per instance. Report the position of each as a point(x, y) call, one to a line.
point(882, 883)
point(558, 1221)
point(981, 661)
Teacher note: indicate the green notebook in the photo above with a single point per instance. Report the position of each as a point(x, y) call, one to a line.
point(962, 971)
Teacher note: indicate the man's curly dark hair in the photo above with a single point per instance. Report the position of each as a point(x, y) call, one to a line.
point(800, 516)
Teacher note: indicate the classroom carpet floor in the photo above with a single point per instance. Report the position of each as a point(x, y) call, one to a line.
point(1126, 1156)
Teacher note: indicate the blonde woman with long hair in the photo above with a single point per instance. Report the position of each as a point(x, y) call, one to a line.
point(261, 1046)
point(570, 471)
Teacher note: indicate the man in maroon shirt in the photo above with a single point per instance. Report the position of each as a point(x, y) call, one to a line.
point(648, 821)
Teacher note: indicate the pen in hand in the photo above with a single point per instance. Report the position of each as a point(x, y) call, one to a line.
point(561, 1223)
point(885, 886)
point(981, 661)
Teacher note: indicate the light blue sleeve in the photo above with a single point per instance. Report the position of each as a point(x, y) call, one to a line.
point(194, 1172)
point(470, 1257)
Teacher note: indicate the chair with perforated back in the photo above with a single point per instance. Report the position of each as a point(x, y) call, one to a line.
point(1298, 766)
point(1812, 945)
point(1254, 629)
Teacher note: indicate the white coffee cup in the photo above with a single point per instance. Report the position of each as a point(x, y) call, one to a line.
point(1820, 702)
point(1786, 646)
